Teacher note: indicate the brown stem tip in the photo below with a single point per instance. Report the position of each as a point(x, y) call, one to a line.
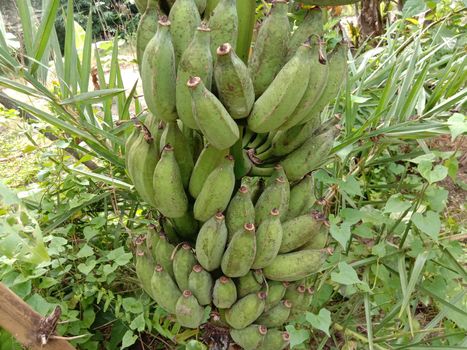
point(262, 330)
point(249, 227)
point(164, 21)
point(243, 189)
point(197, 268)
point(187, 293)
point(193, 82)
point(224, 49)
point(219, 216)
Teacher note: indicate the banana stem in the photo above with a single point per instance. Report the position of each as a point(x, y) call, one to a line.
point(257, 171)
point(265, 155)
point(246, 10)
point(247, 135)
point(258, 141)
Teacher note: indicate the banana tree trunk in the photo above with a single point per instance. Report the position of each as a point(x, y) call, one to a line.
point(371, 23)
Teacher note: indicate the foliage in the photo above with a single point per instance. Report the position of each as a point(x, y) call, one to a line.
point(396, 277)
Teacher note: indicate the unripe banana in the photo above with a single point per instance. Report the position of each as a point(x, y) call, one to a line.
point(233, 82)
point(224, 293)
point(164, 289)
point(169, 230)
point(279, 100)
point(201, 5)
point(130, 141)
point(185, 18)
point(319, 240)
point(144, 267)
point(213, 119)
point(296, 294)
point(273, 197)
point(211, 241)
point(240, 252)
point(250, 283)
point(276, 292)
point(268, 240)
point(195, 61)
point(309, 156)
point(154, 126)
point(163, 253)
point(224, 24)
point(200, 283)
point(171, 199)
point(183, 263)
point(186, 226)
point(280, 173)
point(141, 5)
point(217, 191)
point(158, 73)
point(270, 47)
point(188, 311)
point(147, 27)
point(302, 197)
point(240, 211)
point(152, 238)
point(143, 159)
point(294, 266)
point(276, 316)
point(255, 186)
point(210, 6)
point(182, 151)
point(246, 310)
point(208, 160)
point(300, 230)
point(249, 338)
point(312, 25)
point(287, 141)
point(275, 340)
point(337, 75)
point(319, 70)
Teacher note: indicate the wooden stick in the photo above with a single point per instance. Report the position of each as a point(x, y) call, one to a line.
point(19, 319)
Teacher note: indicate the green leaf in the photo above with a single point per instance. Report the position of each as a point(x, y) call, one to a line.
point(438, 173)
point(85, 251)
point(91, 97)
point(457, 124)
point(132, 305)
point(437, 198)
point(350, 186)
point(86, 268)
point(119, 256)
point(340, 233)
point(428, 223)
point(128, 339)
point(138, 323)
point(413, 7)
point(346, 275)
point(297, 336)
point(321, 321)
point(396, 204)
point(195, 345)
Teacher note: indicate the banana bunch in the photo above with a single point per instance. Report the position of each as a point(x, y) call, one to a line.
point(252, 264)
point(225, 154)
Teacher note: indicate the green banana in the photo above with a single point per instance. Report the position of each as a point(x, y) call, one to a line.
point(171, 199)
point(147, 27)
point(164, 289)
point(185, 18)
point(309, 156)
point(275, 340)
point(274, 196)
point(268, 240)
point(287, 141)
point(233, 82)
point(144, 267)
point(152, 238)
point(188, 311)
point(182, 151)
point(282, 96)
point(319, 71)
point(277, 315)
point(201, 5)
point(312, 24)
point(319, 240)
point(240, 211)
point(144, 156)
point(163, 253)
point(217, 190)
point(254, 185)
point(224, 293)
point(211, 241)
point(224, 25)
point(186, 226)
point(337, 75)
point(275, 293)
point(246, 310)
point(210, 6)
point(249, 338)
point(240, 252)
point(207, 161)
point(169, 230)
point(200, 283)
point(270, 47)
point(246, 11)
point(130, 141)
point(195, 61)
point(243, 163)
point(213, 119)
point(158, 73)
point(152, 123)
point(249, 283)
point(279, 173)
point(328, 2)
point(296, 294)
point(300, 230)
point(183, 262)
point(302, 197)
point(294, 266)
point(141, 5)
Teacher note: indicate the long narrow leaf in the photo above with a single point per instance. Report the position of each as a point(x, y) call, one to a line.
point(91, 97)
